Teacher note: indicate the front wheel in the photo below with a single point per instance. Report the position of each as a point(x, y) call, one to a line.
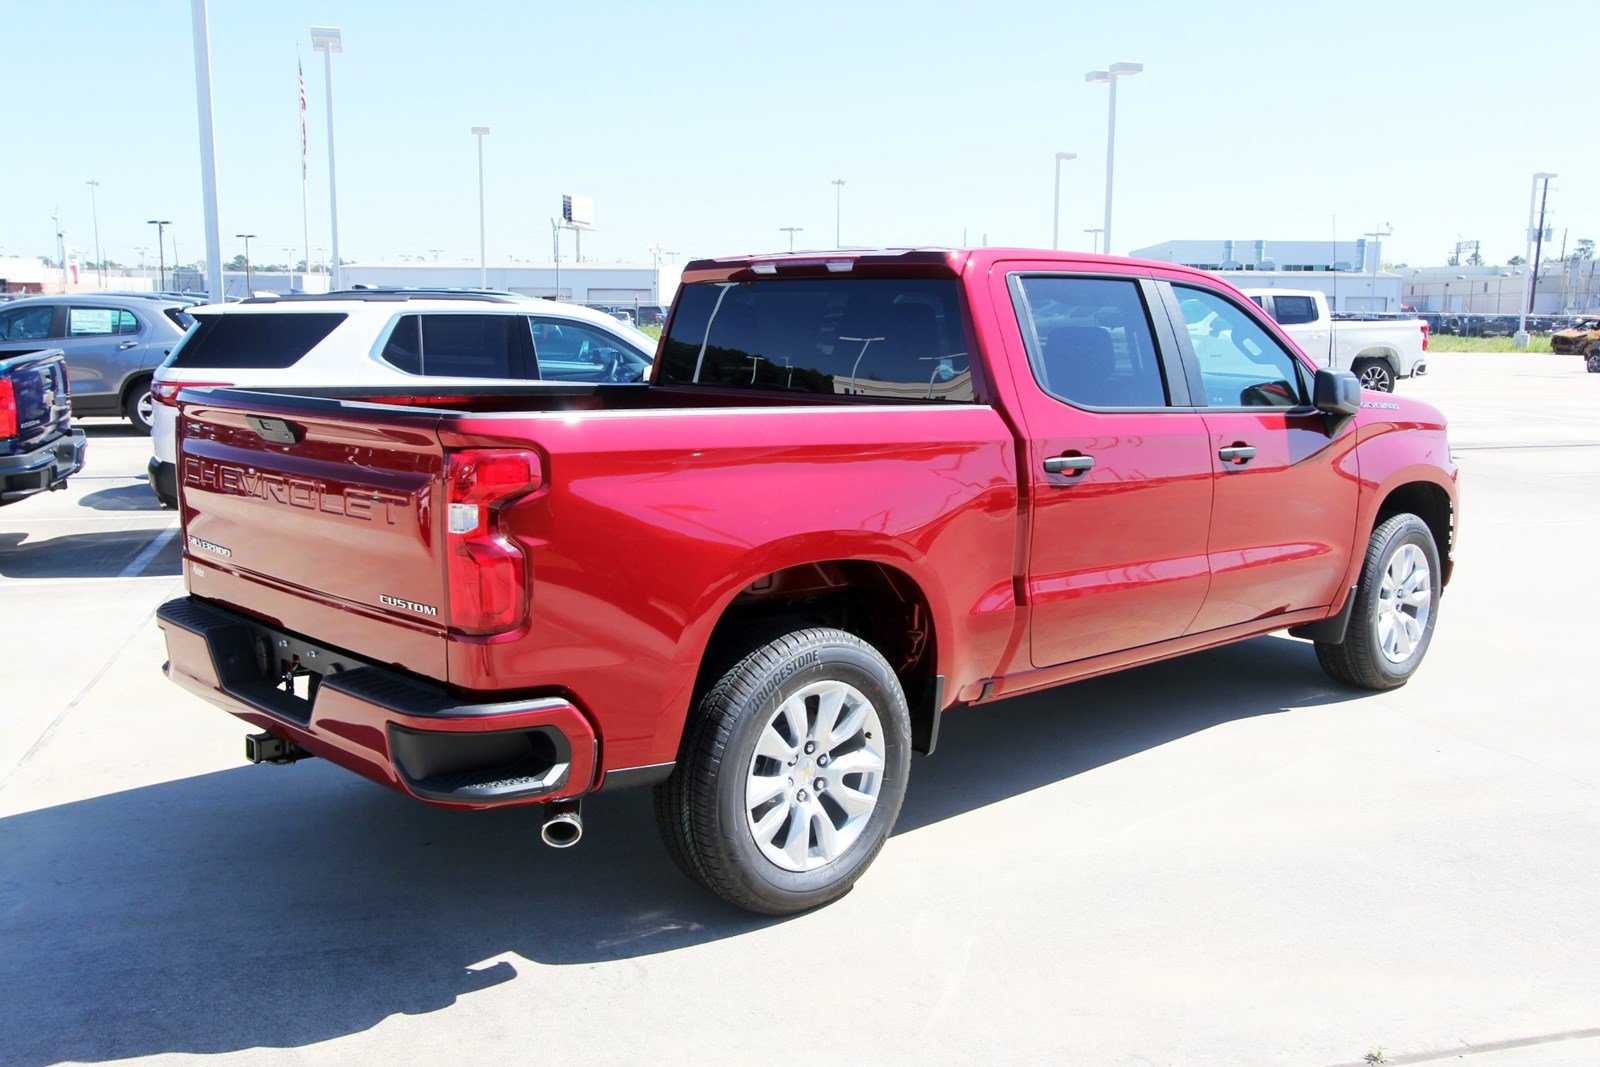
point(1396, 605)
point(792, 773)
point(1375, 374)
point(1592, 361)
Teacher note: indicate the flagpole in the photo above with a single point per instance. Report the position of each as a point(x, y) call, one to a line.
point(305, 196)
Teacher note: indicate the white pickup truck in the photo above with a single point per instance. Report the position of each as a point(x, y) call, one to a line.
point(1378, 351)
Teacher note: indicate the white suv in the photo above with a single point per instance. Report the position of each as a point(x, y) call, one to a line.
point(388, 338)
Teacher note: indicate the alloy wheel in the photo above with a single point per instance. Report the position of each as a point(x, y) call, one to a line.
point(814, 779)
point(1405, 601)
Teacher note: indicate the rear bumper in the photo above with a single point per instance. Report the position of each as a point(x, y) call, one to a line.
point(382, 724)
point(164, 480)
point(44, 468)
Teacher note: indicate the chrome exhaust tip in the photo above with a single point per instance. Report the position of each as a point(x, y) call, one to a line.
point(563, 828)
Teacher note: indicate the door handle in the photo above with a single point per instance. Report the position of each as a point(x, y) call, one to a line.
point(124, 346)
point(1238, 454)
point(1068, 464)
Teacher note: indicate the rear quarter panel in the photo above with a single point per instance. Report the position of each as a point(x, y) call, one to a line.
point(650, 524)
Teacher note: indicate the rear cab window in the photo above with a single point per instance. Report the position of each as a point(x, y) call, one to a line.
point(259, 341)
point(1294, 310)
point(886, 338)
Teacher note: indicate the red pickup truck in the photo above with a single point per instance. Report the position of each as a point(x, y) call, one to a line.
point(860, 489)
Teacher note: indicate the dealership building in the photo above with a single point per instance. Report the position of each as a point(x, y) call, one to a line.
point(1345, 271)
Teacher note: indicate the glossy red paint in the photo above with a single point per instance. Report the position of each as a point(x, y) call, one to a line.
point(656, 510)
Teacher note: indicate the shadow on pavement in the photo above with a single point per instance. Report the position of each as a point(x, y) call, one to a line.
point(122, 498)
point(103, 554)
point(280, 907)
point(107, 427)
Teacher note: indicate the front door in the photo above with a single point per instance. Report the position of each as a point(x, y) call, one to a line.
point(1119, 476)
point(1286, 485)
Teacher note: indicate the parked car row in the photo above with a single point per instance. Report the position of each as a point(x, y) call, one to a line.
point(1461, 325)
point(112, 343)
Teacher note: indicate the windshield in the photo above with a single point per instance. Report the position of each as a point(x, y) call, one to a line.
point(893, 338)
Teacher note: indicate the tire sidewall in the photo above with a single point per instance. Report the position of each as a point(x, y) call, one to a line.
point(1416, 533)
point(821, 661)
point(130, 406)
point(1387, 385)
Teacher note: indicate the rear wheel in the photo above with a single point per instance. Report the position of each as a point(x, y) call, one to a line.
point(792, 773)
point(1375, 374)
point(139, 406)
point(1592, 360)
point(1396, 606)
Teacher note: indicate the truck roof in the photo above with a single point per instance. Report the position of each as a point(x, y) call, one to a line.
point(931, 260)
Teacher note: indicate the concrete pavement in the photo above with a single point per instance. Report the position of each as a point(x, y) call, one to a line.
point(1221, 859)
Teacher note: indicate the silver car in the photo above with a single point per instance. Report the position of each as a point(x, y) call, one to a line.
point(113, 342)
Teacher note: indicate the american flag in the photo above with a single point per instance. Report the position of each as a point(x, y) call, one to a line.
point(301, 68)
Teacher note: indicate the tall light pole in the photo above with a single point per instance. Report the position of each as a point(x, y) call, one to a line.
point(1094, 238)
point(161, 250)
point(654, 248)
point(480, 132)
point(791, 231)
point(94, 209)
point(838, 211)
point(1530, 286)
point(1055, 227)
point(1377, 236)
point(247, 281)
point(328, 40)
point(208, 149)
point(1110, 76)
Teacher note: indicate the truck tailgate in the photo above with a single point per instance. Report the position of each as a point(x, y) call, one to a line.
point(322, 517)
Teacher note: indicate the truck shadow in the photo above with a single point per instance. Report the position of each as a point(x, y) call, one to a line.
point(280, 907)
point(103, 554)
point(139, 497)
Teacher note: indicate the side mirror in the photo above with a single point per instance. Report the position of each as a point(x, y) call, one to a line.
point(1338, 392)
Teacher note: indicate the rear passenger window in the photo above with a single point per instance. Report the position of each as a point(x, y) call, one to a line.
point(1090, 341)
point(126, 323)
point(264, 341)
point(1294, 310)
point(457, 346)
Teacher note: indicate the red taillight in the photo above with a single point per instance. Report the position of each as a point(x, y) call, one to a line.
point(167, 392)
point(488, 574)
point(1424, 335)
point(8, 409)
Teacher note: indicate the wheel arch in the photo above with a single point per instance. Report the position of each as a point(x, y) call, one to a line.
point(892, 603)
point(1431, 503)
point(1388, 355)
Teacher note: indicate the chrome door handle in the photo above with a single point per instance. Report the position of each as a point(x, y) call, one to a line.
point(1240, 454)
point(124, 346)
point(1068, 464)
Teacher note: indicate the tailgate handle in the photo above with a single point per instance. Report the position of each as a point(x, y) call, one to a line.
point(278, 431)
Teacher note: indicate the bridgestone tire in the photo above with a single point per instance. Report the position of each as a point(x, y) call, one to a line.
point(701, 809)
point(1359, 660)
point(1374, 374)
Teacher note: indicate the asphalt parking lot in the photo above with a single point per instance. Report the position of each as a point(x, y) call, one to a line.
point(1220, 859)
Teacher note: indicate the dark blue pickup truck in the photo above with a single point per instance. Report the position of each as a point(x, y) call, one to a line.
point(39, 449)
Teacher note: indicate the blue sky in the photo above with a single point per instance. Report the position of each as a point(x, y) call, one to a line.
point(707, 126)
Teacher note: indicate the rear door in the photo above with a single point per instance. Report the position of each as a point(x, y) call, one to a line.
point(1119, 472)
point(1285, 477)
point(323, 517)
